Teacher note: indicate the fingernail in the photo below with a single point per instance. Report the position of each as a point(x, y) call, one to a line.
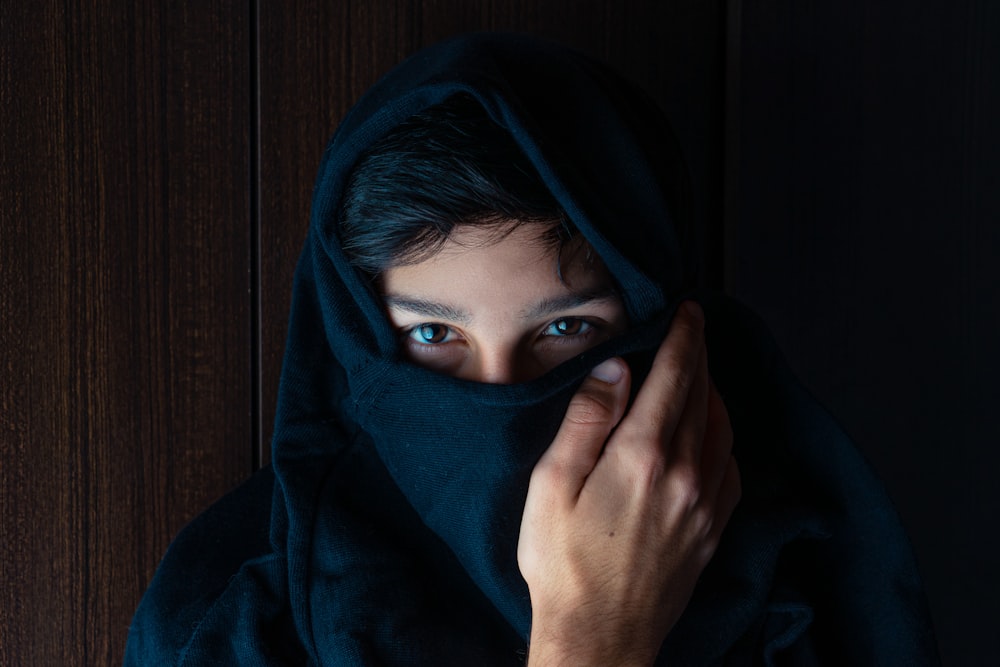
point(610, 371)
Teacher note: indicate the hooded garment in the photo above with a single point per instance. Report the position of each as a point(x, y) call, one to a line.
point(385, 530)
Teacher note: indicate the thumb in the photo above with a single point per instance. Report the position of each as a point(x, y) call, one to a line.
point(593, 413)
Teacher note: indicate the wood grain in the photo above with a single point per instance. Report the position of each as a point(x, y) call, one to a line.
point(124, 340)
point(128, 281)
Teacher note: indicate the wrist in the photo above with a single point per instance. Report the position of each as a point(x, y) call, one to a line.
point(581, 645)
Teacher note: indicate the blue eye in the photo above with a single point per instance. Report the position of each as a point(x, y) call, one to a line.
point(568, 326)
point(429, 334)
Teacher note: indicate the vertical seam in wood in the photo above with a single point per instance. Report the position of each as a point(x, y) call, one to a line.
point(256, 365)
point(731, 145)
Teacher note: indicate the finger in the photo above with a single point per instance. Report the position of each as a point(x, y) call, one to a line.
point(730, 491)
point(593, 412)
point(684, 450)
point(717, 447)
point(660, 402)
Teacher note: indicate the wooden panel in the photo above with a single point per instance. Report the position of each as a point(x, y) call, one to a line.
point(317, 58)
point(124, 338)
point(870, 197)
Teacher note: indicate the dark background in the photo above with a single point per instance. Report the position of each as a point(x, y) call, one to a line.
point(156, 167)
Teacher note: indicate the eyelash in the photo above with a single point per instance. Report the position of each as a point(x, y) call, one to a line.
point(409, 333)
point(588, 328)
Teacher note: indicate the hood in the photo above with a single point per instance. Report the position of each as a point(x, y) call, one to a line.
point(344, 382)
point(400, 491)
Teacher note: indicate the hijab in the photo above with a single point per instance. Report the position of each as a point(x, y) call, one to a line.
point(396, 493)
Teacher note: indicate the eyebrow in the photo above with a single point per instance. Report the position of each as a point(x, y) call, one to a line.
point(568, 302)
point(537, 311)
point(427, 308)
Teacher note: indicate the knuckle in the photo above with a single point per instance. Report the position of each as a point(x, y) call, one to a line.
point(707, 518)
point(645, 433)
point(691, 328)
point(686, 486)
point(700, 526)
point(686, 478)
point(647, 468)
point(553, 475)
point(708, 548)
point(540, 473)
point(587, 408)
point(679, 379)
point(691, 317)
point(547, 477)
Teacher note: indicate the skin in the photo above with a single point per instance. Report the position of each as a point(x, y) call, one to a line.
point(627, 505)
point(495, 310)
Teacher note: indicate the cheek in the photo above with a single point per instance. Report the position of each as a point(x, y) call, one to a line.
point(546, 359)
point(551, 351)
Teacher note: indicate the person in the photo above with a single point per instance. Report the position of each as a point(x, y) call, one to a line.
point(509, 417)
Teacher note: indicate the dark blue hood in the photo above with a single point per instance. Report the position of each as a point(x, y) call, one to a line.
point(461, 452)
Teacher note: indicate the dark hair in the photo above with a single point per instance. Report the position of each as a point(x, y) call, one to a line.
point(446, 166)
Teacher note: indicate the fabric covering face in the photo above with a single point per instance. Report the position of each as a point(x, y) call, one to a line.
point(386, 530)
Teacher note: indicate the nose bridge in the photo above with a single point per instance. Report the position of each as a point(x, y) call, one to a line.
point(501, 346)
point(498, 364)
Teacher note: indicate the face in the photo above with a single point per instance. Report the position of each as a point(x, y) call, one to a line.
point(496, 310)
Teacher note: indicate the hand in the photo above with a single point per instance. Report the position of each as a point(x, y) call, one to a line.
point(616, 530)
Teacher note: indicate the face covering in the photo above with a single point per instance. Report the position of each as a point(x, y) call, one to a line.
point(398, 492)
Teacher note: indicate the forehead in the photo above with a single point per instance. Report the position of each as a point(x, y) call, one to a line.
point(484, 264)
